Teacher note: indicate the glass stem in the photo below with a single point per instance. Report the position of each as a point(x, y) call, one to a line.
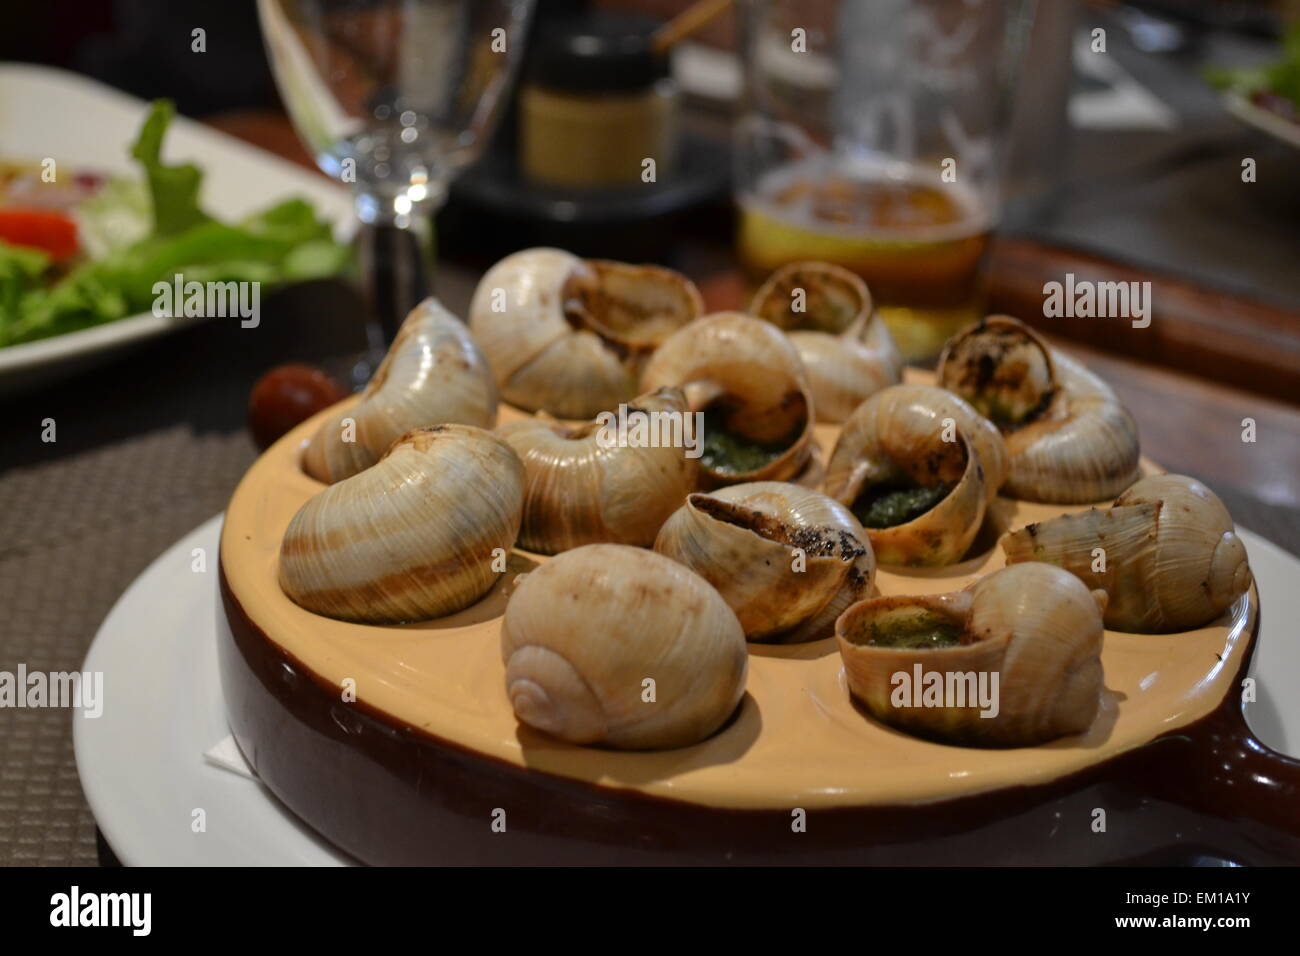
point(396, 261)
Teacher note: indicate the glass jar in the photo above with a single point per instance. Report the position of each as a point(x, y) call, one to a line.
point(871, 136)
point(597, 103)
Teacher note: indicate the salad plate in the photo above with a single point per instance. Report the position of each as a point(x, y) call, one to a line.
point(238, 181)
point(1267, 97)
point(1266, 121)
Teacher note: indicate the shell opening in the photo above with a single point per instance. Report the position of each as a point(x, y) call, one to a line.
point(812, 297)
point(1002, 371)
point(631, 308)
point(903, 492)
point(909, 627)
point(734, 443)
point(814, 542)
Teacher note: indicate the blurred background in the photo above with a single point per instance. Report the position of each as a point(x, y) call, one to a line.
point(1149, 142)
point(1130, 152)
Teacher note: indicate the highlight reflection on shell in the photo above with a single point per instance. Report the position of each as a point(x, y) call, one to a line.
point(1033, 628)
point(433, 374)
point(918, 467)
point(608, 644)
point(412, 537)
point(581, 489)
point(1070, 439)
point(786, 559)
point(827, 313)
point(1166, 553)
point(747, 379)
point(570, 336)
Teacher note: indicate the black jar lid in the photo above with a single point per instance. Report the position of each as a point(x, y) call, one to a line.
point(599, 53)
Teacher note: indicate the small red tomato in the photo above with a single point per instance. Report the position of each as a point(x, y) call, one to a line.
point(45, 229)
point(286, 396)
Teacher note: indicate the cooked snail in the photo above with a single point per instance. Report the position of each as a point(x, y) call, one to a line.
point(1070, 439)
point(412, 537)
point(581, 487)
point(433, 374)
point(608, 644)
point(1010, 661)
point(1165, 552)
point(918, 467)
point(827, 312)
point(747, 379)
point(570, 336)
point(786, 559)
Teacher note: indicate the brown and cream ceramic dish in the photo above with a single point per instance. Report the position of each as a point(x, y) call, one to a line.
point(420, 767)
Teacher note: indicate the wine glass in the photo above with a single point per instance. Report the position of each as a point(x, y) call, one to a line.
point(394, 97)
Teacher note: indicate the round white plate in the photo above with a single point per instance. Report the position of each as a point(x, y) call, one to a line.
point(1266, 121)
point(238, 179)
point(141, 762)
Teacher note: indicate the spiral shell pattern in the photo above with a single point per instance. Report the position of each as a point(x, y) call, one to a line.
point(1069, 438)
point(828, 314)
point(414, 536)
point(1034, 626)
point(570, 336)
point(582, 487)
point(433, 374)
point(613, 645)
point(786, 559)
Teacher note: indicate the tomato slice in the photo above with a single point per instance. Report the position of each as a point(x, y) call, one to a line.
point(47, 230)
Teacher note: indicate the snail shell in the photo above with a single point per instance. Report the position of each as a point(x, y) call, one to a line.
point(846, 348)
point(893, 447)
point(742, 540)
point(570, 336)
point(581, 490)
point(747, 378)
point(1070, 439)
point(1034, 625)
point(583, 633)
point(1172, 561)
point(433, 373)
point(412, 537)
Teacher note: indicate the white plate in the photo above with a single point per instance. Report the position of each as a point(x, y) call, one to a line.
point(238, 179)
point(141, 762)
point(1266, 121)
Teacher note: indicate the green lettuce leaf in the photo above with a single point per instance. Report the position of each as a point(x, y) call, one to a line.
point(286, 242)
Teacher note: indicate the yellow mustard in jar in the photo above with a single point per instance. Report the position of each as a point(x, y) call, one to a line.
point(598, 107)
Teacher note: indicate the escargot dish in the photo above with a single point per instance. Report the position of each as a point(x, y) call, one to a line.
point(734, 635)
point(786, 559)
point(570, 336)
point(1166, 553)
point(413, 536)
point(1012, 660)
point(433, 374)
point(587, 484)
point(828, 314)
point(1070, 439)
point(592, 661)
point(746, 378)
point(918, 467)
